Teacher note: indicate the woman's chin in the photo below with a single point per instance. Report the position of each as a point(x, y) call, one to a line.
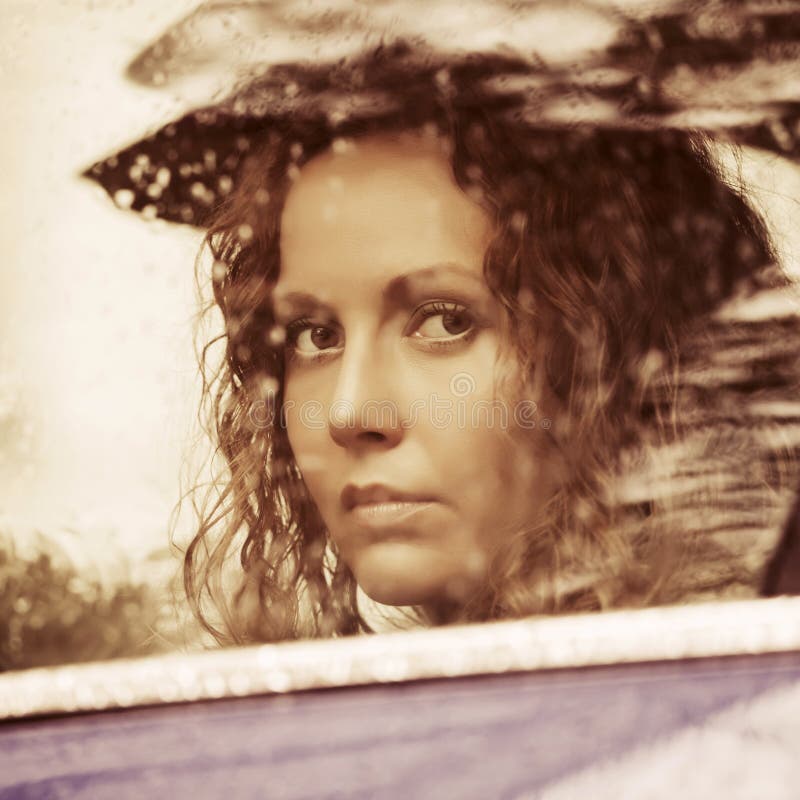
point(404, 574)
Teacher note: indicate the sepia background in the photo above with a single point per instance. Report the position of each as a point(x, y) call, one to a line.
point(96, 361)
point(98, 383)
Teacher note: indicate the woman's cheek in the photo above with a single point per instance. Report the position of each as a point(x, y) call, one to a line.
point(306, 431)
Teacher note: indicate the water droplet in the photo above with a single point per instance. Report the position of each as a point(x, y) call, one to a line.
point(233, 326)
point(22, 605)
point(341, 146)
point(276, 335)
point(336, 184)
point(268, 386)
point(476, 564)
point(474, 172)
point(218, 272)
point(201, 192)
point(430, 131)
point(163, 177)
point(245, 232)
point(525, 299)
point(583, 510)
point(517, 221)
point(124, 198)
point(296, 150)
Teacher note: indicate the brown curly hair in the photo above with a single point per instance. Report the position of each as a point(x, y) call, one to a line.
point(611, 250)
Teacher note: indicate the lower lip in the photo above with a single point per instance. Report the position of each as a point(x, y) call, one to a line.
point(376, 515)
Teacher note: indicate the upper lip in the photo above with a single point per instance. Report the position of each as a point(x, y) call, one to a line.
point(353, 495)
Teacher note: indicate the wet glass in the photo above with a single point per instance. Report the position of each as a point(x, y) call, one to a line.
point(107, 185)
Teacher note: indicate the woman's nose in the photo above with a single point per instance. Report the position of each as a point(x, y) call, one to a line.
point(364, 410)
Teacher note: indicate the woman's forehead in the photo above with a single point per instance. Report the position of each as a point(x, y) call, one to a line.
point(380, 206)
point(352, 164)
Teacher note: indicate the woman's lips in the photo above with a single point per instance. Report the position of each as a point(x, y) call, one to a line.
point(390, 513)
point(378, 494)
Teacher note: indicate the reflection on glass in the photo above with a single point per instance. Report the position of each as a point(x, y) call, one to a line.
point(491, 334)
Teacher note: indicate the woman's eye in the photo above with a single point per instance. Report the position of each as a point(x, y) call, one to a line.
point(443, 321)
point(308, 339)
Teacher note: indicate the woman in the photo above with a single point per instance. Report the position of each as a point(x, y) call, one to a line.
point(476, 363)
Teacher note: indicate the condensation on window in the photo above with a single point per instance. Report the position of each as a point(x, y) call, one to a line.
point(116, 144)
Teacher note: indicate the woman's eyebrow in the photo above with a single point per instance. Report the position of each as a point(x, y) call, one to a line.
point(298, 303)
point(400, 290)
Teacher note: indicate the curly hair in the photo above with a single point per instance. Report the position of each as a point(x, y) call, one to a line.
point(611, 251)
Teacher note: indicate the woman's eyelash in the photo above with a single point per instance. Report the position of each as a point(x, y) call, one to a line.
point(439, 308)
point(295, 328)
point(426, 311)
point(293, 331)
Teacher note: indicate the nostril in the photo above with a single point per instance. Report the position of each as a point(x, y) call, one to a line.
point(376, 436)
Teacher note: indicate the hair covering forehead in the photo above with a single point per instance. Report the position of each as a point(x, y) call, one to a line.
point(727, 68)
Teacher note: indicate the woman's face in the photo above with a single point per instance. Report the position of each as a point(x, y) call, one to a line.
point(418, 468)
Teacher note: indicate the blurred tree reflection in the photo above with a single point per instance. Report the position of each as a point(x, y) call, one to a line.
point(52, 613)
